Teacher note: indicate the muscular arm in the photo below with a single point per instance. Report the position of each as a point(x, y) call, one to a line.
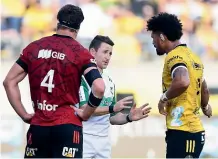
point(204, 95)
point(179, 84)
point(14, 76)
point(98, 88)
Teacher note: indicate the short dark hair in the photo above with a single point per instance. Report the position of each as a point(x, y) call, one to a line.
point(70, 16)
point(96, 42)
point(166, 23)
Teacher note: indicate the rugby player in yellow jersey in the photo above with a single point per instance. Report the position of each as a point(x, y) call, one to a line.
point(184, 89)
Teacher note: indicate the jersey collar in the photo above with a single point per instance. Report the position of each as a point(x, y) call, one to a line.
point(181, 45)
point(63, 36)
point(177, 46)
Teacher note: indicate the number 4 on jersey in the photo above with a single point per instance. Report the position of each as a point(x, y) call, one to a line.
point(49, 77)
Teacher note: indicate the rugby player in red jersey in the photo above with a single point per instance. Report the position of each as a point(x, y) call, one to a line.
point(54, 65)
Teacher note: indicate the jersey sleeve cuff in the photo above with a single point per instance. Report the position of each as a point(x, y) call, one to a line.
point(178, 65)
point(88, 66)
point(22, 64)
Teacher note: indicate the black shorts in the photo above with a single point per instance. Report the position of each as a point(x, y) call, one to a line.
point(61, 141)
point(182, 144)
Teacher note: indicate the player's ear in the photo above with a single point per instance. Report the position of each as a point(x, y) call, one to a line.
point(162, 37)
point(92, 51)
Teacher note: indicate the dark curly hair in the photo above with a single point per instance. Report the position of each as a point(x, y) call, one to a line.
point(166, 23)
point(96, 42)
point(70, 16)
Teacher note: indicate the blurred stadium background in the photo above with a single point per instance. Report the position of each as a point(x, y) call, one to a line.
point(134, 67)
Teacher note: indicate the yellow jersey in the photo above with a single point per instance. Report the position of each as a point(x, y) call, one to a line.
point(183, 111)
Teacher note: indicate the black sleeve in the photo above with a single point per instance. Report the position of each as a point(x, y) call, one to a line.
point(88, 65)
point(22, 64)
point(92, 75)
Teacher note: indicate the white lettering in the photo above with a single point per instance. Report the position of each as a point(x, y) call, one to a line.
point(54, 55)
point(31, 151)
point(48, 107)
point(74, 151)
point(45, 54)
point(65, 150)
point(61, 56)
point(40, 53)
point(69, 152)
point(48, 55)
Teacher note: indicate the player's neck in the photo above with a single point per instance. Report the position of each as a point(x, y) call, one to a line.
point(173, 46)
point(100, 70)
point(67, 33)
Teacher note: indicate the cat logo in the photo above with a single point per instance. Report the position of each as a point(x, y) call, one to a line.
point(69, 152)
point(31, 151)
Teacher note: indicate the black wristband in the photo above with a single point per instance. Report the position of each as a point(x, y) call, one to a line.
point(94, 101)
point(111, 109)
point(128, 119)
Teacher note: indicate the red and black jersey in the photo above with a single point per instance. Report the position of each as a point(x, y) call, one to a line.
point(55, 65)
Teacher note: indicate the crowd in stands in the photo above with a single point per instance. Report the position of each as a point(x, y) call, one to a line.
point(23, 21)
